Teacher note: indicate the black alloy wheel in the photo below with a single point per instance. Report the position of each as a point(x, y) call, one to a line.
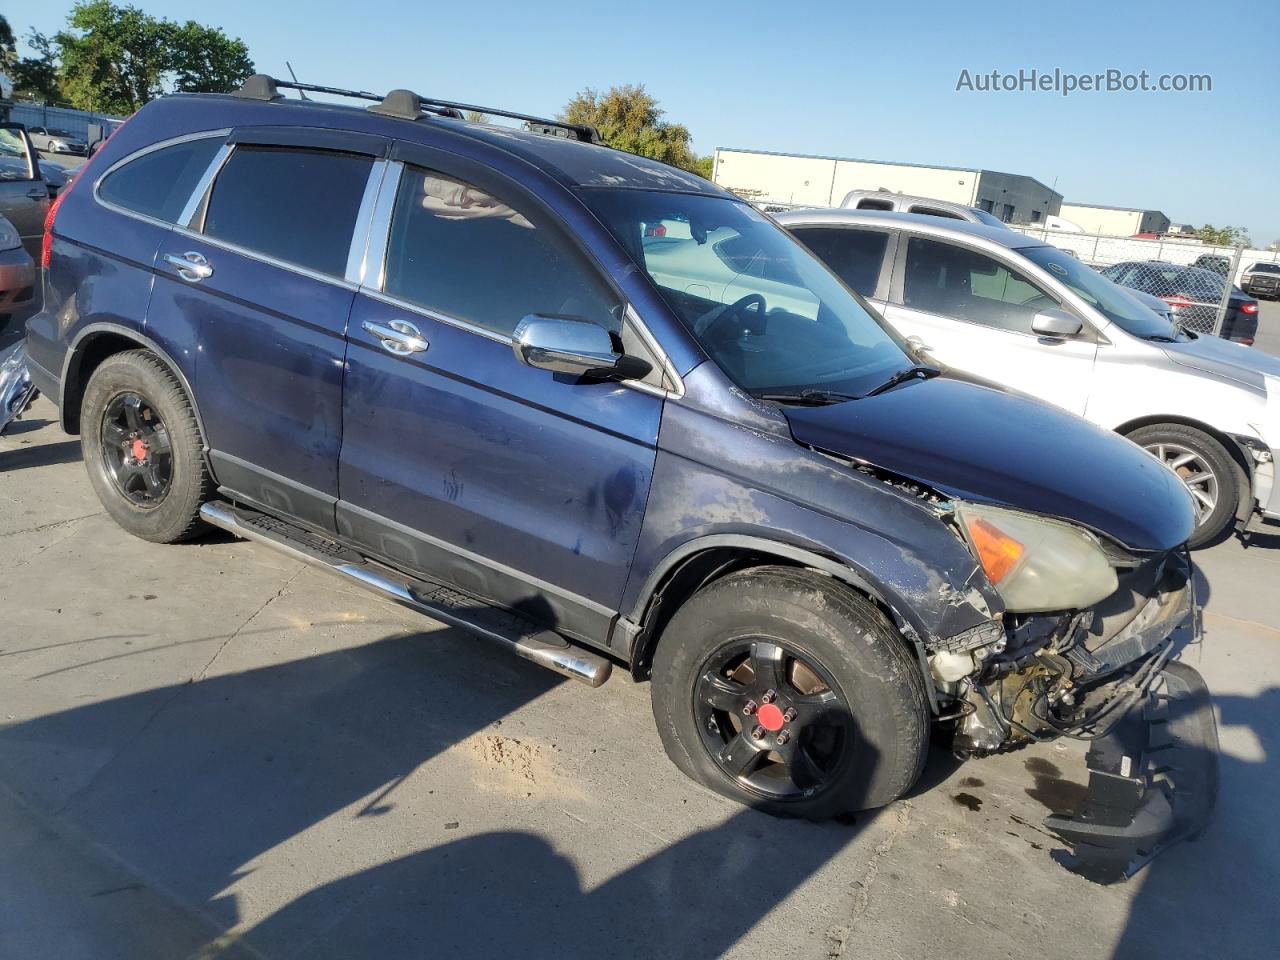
point(136, 451)
point(772, 720)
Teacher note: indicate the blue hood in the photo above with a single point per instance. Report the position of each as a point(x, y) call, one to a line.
point(978, 443)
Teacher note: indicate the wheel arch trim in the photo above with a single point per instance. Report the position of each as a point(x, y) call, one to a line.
point(643, 639)
point(75, 355)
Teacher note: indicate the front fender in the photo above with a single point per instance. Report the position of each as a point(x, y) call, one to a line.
point(719, 483)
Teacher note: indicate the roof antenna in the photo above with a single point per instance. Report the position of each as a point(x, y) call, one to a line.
point(301, 93)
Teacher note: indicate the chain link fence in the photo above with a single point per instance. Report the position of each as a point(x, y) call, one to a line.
point(1200, 282)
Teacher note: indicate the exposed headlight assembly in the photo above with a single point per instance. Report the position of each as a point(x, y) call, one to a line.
point(1037, 564)
point(9, 239)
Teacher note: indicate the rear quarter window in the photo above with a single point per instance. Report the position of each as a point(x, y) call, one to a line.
point(158, 184)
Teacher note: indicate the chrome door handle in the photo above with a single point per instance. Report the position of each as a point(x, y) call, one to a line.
point(192, 267)
point(397, 336)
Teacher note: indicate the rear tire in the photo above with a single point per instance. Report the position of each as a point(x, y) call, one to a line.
point(142, 448)
point(858, 729)
point(1214, 477)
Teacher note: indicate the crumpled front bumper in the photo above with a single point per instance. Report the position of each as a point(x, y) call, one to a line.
point(1153, 774)
point(1153, 780)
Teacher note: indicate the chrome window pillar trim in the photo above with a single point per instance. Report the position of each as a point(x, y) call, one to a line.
point(202, 186)
point(373, 268)
point(669, 369)
point(151, 148)
point(358, 251)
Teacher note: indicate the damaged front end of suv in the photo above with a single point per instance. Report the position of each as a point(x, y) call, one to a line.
point(1088, 651)
point(1082, 600)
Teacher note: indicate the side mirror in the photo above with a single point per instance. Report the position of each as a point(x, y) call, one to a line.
point(917, 344)
point(1056, 324)
point(565, 345)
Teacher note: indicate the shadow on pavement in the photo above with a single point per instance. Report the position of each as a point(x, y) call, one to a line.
point(43, 455)
point(192, 783)
point(1216, 896)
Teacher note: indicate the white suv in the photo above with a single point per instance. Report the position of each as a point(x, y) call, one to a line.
point(1030, 317)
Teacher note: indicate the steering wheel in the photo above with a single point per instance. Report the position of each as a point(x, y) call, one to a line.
point(709, 322)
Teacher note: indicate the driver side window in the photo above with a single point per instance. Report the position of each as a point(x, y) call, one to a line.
point(962, 283)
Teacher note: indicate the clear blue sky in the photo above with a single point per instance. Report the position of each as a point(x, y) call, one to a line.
point(850, 79)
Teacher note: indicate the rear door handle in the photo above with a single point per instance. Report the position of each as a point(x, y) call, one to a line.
point(39, 193)
point(397, 336)
point(192, 267)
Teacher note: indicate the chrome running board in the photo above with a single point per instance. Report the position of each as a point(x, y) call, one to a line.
point(435, 600)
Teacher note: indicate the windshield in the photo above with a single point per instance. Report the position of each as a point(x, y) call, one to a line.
point(1265, 268)
point(1108, 298)
point(760, 305)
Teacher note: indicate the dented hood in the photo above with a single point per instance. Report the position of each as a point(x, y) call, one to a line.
point(978, 443)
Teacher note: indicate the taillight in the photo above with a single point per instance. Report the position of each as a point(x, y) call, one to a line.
point(1176, 301)
point(46, 243)
point(1248, 308)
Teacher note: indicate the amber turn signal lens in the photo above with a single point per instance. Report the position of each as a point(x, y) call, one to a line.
point(997, 551)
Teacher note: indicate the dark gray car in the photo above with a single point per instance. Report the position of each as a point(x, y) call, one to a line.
point(24, 196)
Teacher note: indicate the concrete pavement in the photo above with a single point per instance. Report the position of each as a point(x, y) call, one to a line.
point(209, 750)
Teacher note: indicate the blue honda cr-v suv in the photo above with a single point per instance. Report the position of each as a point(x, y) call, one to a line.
point(602, 411)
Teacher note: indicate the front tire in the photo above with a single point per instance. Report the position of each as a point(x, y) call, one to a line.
point(785, 690)
point(142, 448)
point(1207, 470)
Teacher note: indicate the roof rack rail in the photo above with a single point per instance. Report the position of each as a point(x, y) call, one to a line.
point(411, 106)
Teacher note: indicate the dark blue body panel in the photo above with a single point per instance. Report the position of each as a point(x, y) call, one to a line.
point(268, 375)
point(978, 443)
point(534, 476)
point(719, 473)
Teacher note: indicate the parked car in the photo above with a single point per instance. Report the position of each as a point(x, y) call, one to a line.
point(925, 206)
point(1015, 311)
point(17, 272)
point(813, 545)
point(1262, 280)
point(55, 176)
point(56, 140)
point(1213, 262)
point(1194, 294)
point(24, 196)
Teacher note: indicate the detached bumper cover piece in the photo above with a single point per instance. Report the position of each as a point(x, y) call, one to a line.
point(16, 389)
point(1153, 780)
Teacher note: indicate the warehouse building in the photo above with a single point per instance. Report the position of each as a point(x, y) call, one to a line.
point(1115, 221)
point(824, 181)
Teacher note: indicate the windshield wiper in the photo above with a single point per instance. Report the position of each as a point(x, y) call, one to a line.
point(808, 398)
point(902, 376)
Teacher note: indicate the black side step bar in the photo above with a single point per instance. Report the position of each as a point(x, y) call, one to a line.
point(434, 600)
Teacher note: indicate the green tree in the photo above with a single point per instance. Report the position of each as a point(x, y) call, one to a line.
point(8, 46)
point(630, 119)
point(1225, 236)
point(37, 77)
point(116, 58)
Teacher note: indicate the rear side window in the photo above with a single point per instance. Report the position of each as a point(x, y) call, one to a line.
point(295, 205)
point(158, 184)
point(958, 282)
point(456, 249)
point(854, 256)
